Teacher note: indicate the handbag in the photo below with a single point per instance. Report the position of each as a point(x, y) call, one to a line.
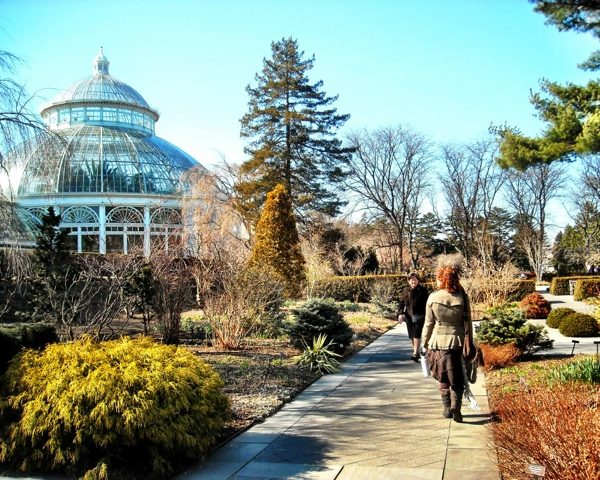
point(416, 318)
point(469, 349)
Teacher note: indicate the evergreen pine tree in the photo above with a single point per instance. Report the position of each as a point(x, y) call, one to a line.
point(290, 127)
point(51, 251)
point(277, 245)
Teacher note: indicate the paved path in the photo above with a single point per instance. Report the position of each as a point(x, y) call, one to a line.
point(377, 418)
point(564, 345)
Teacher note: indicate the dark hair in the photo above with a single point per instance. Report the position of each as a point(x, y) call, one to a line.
point(448, 277)
point(413, 275)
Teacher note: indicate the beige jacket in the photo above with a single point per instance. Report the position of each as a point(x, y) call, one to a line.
point(444, 327)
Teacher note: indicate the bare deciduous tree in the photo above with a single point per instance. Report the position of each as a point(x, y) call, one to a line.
point(213, 228)
point(244, 301)
point(89, 298)
point(470, 186)
point(390, 179)
point(528, 194)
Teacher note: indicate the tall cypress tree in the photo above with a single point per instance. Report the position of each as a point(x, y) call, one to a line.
point(277, 245)
point(290, 130)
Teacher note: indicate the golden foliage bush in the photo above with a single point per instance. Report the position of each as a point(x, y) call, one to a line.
point(135, 405)
point(554, 427)
point(277, 245)
point(499, 356)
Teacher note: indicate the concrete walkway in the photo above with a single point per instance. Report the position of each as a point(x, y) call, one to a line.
point(377, 418)
point(564, 345)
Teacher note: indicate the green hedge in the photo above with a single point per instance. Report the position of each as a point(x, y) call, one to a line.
point(560, 285)
point(356, 289)
point(586, 288)
point(521, 289)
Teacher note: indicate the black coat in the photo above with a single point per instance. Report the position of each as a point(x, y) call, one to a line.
point(413, 301)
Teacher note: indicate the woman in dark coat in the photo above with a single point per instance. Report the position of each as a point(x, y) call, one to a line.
point(411, 309)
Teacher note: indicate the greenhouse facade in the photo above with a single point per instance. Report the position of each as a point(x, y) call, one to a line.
point(117, 186)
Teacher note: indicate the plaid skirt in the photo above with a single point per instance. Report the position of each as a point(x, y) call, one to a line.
point(446, 367)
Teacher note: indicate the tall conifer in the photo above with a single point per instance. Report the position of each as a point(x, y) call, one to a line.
point(290, 130)
point(277, 245)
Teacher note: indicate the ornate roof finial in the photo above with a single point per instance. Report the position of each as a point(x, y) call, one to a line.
point(101, 63)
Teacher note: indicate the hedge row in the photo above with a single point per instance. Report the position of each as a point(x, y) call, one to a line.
point(16, 336)
point(560, 285)
point(521, 289)
point(586, 288)
point(357, 288)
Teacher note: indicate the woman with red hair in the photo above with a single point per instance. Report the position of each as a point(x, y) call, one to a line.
point(447, 318)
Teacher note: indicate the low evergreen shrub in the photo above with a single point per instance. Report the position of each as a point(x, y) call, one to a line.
point(579, 325)
point(141, 408)
point(348, 306)
point(535, 305)
point(556, 316)
point(508, 325)
point(316, 317)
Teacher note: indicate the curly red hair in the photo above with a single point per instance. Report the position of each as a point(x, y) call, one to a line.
point(448, 278)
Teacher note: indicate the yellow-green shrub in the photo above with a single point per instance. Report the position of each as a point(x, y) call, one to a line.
point(135, 405)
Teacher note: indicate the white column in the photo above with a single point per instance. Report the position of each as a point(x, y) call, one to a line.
point(146, 231)
point(79, 240)
point(102, 239)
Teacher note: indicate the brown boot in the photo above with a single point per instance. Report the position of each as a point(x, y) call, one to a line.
point(455, 404)
point(446, 402)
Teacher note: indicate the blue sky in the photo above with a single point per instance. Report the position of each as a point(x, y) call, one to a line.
point(448, 68)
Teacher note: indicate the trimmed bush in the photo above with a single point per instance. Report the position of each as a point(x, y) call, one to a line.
point(139, 407)
point(579, 325)
point(535, 306)
point(556, 316)
point(356, 289)
point(560, 285)
point(586, 288)
point(521, 289)
point(320, 316)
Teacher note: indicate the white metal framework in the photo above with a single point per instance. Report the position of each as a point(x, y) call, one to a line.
point(116, 185)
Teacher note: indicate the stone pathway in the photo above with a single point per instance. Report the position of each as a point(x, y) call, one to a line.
point(378, 418)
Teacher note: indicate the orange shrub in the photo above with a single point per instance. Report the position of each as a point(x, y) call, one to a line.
point(499, 356)
point(555, 427)
point(535, 306)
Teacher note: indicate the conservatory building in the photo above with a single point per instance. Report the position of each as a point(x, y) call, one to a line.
point(116, 185)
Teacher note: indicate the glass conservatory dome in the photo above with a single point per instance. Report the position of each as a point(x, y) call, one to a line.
point(113, 180)
point(101, 87)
